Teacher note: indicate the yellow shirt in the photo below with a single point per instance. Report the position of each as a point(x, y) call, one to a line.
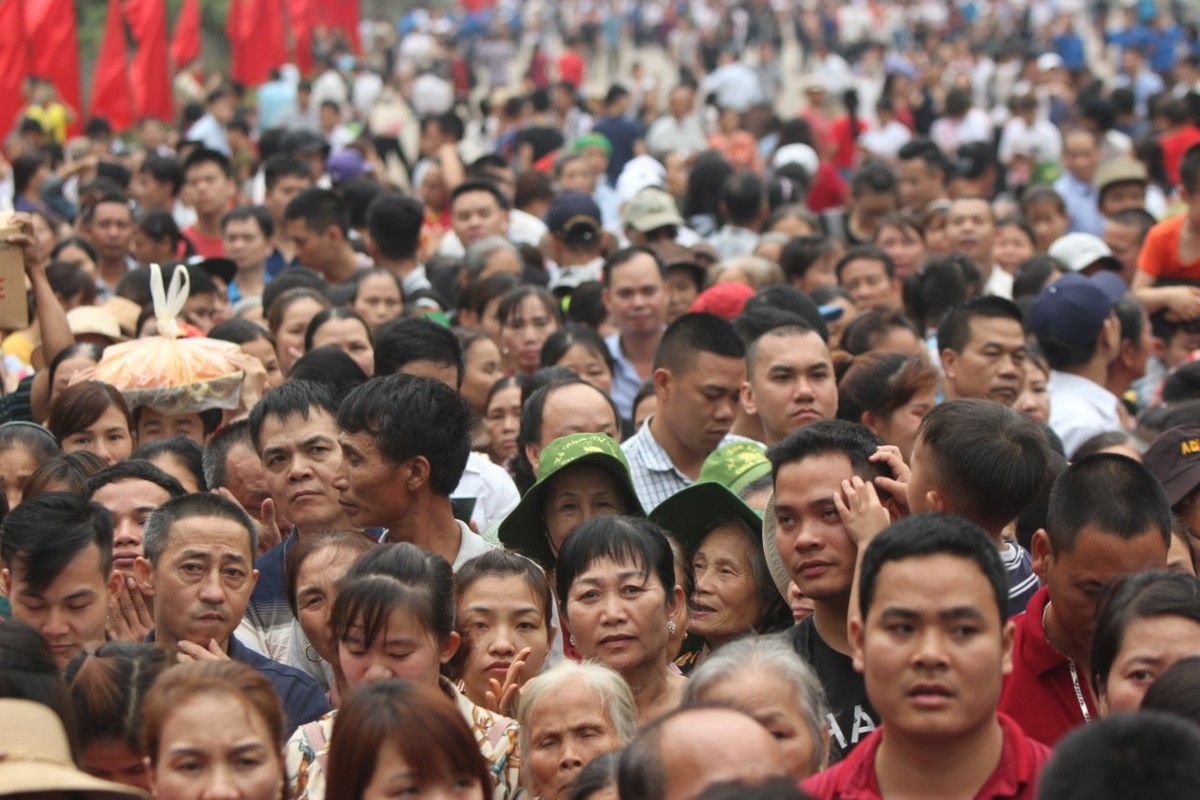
point(53, 119)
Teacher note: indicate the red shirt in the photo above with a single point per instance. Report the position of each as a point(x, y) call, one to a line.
point(1160, 252)
point(1015, 777)
point(570, 68)
point(207, 246)
point(1039, 693)
point(1174, 146)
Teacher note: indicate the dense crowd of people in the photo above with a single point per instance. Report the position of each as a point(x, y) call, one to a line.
point(817, 418)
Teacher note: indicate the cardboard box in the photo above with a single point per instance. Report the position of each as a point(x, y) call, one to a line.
point(14, 306)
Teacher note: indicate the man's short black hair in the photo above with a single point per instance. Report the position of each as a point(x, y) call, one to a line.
point(394, 221)
point(411, 416)
point(321, 209)
point(1113, 494)
point(282, 166)
point(1131, 319)
point(216, 452)
point(926, 150)
point(930, 535)
point(164, 169)
point(42, 535)
point(157, 535)
point(742, 195)
point(1146, 754)
point(874, 177)
point(266, 225)
point(1139, 219)
point(133, 469)
point(291, 399)
point(693, 334)
point(479, 185)
point(866, 252)
point(955, 331)
point(403, 341)
point(88, 212)
point(449, 123)
point(206, 156)
point(623, 257)
point(986, 459)
point(831, 437)
point(802, 252)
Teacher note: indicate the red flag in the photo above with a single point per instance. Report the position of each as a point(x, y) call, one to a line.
point(148, 73)
point(13, 66)
point(54, 49)
point(256, 38)
point(341, 15)
point(302, 16)
point(185, 44)
point(111, 95)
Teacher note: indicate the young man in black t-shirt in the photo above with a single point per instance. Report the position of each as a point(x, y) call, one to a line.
point(809, 468)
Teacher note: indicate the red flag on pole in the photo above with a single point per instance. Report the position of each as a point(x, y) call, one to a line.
point(54, 49)
point(185, 44)
point(111, 95)
point(341, 15)
point(148, 73)
point(256, 38)
point(302, 16)
point(13, 66)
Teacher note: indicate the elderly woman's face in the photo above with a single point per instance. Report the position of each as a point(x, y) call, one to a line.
point(564, 735)
point(575, 495)
point(773, 701)
point(619, 616)
point(725, 603)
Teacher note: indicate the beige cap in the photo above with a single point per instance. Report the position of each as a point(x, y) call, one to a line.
point(37, 758)
point(651, 208)
point(96, 321)
point(1121, 169)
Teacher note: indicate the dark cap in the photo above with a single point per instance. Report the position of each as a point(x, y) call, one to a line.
point(1174, 458)
point(222, 268)
point(1073, 308)
point(575, 217)
point(974, 159)
point(302, 143)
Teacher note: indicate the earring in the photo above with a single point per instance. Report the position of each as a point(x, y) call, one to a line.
point(311, 654)
point(571, 639)
point(671, 627)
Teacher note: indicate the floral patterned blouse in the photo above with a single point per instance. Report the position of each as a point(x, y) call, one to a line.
point(307, 751)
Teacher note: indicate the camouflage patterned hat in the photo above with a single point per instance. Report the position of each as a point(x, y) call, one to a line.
point(736, 465)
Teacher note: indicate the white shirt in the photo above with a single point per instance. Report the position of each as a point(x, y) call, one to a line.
point(885, 142)
point(999, 283)
point(1080, 409)
point(492, 487)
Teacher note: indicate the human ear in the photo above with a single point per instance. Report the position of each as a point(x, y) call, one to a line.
point(856, 644)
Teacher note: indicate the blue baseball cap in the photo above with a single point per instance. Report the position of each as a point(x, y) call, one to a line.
point(1073, 308)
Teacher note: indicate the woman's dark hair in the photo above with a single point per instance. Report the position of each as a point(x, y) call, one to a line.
point(77, 407)
point(786, 192)
point(483, 291)
point(864, 333)
point(514, 297)
point(598, 774)
point(183, 449)
point(280, 305)
point(240, 331)
point(335, 312)
point(586, 305)
point(795, 131)
point(1156, 593)
point(564, 339)
point(160, 225)
point(107, 686)
point(430, 732)
point(24, 167)
point(1042, 193)
point(626, 540)
point(1033, 274)
point(901, 221)
point(374, 272)
point(331, 367)
point(74, 241)
point(391, 577)
point(957, 102)
point(70, 280)
point(1177, 691)
point(90, 349)
point(941, 285)
point(1020, 224)
point(305, 546)
point(30, 437)
point(65, 472)
point(705, 182)
point(881, 383)
point(28, 672)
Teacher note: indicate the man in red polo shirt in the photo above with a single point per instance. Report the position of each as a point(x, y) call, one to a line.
point(1108, 516)
point(934, 663)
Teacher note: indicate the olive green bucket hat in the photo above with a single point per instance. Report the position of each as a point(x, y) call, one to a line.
point(690, 513)
point(524, 529)
point(736, 465)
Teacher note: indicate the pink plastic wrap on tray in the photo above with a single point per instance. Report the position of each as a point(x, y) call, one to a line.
point(174, 376)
